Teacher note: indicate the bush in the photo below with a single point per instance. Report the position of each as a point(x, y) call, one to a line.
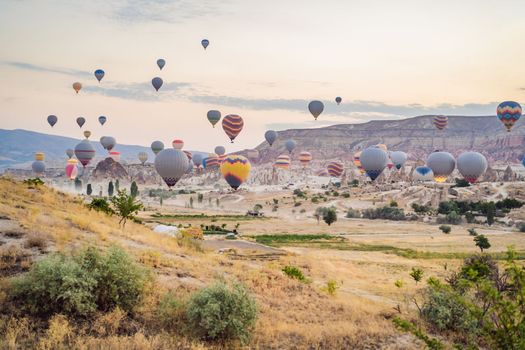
point(445, 229)
point(421, 209)
point(134, 189)
point(102, 205)
point(299, 193)
point(294, 272)
point(521, 226)
point(171, 312)
point(36, 241)
point(330, 216)
point(386, 213)
point(482, 242)
point(222, 313)
point(126, 206)
point(472, 232)
point(393, 204)
point(479, 266)
point(352, 213)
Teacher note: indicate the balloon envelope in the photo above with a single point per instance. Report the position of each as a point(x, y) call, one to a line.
point(71, 169)
point(99, 74)
point(213, 117)
point(373, 161)
point(472, 165)
point(171, 164)
point(205, 43)
point(316, 108)
point(102, 120)
point(305, 158)
point(157, 146)
point(38, 167)
point(177, 144)
point(442, 165)
point(440, 121)
point(40, 156)
point(509, 112)
point(157, 83)
point(143, 157)
point(84, 152)
point(115, 156)
point(398, 158)
point(423, 173)
point(335, 168)
point(220, 150)
point(108, 142)
point(197, 159)
point(270, 136)
point(52, 120)
point(81, 121)
point(161, 63)
point(232, 125)
point(338, 100)
point(77, 86)
point(70, 153)
point(235, 170)
point(290, 145)
point(87, 134)
point(283, 161)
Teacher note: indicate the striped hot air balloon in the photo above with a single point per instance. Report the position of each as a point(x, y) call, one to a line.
point(71, 169)
point(357, 162)
point(282, 162)
point(335, 168)
point(322, 172)
point(305, 158)
point(84, 152)
point(509, 112)
point(232, 125)
point(212, 162)
point(221, 158)
point(115, 156)
point(40, 156)
point(235, 170)
point(177, 144)
point(188, 153)
point(440, 121)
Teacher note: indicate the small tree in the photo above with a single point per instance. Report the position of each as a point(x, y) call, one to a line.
point(416, 274)
point(134, 190)
point(111, 188)
point(117, 184)
point(472, 232)
point(330, 216)
point(160, 200)
point(217, 202)
point(89, 190)
point(491, 213)
point(125, 206)
point(445, 229)
point(482, 242)
point(200, 197)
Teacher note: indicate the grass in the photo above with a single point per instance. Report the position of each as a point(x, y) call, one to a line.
point(205, 217)
point(279, 240)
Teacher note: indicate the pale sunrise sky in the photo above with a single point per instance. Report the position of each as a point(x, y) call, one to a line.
point(386, 59)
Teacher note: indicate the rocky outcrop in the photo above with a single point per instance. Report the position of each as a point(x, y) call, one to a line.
point(109, 169)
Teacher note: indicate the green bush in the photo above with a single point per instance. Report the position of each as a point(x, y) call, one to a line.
point(222, 313)
point(421, 209)
point(521, 226)
point(102, 205)
point(445, 229)
point(472, 232)
point(294, 272)
point(171, 312)
point(352, 213)
point(386, 213)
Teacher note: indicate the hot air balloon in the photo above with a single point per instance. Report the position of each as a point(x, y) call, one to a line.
point(81, 121)
point(335, 169)
point(381, 146)
point(188, 154)
point(440, 121)
point(232, 125)
point(282, 162)
point(77, 86)
point(338, 100)
point(157, 146)
point(357, 162)
point(52, 120)
point(220, 150)
point(509, 112)
point(108, 142)
point(87, 134)
point(84, 152)
point(442, 165)
point(290, 145)
point(70, 153)
point(398, 158)
point(99, 74)
point(235, 170)
point(270, 136)
point(214, 117)
point(423, 173)
point(523, 161)
point(71, 169)
point(205, 43)
point(373, 160)
point(211, 162)
point(190, 168)
point(40, 156)
point(115, 156)
point(316, 108)
point(161, 63)
point(102, 120)
point(157, 83)
point(177, 144)
point(472, 165)
point(305, 158)
point(143, 157)
point(389, 163)
point(171, 164)
point(197, 160)
point(322, 172)
point(39, 167)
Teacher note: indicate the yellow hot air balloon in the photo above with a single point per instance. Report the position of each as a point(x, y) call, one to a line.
point(40, 156)
point(235, 170)
point(382, 146)
point(87, 134)
point(77, 86)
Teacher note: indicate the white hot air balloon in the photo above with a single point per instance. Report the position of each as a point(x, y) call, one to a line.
point(423, 174)
point(398, 158)
point(374, 161)
point(442, 165)
point(472, 165)
point(171, 164)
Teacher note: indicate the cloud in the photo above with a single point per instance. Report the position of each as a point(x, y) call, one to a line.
point(140, 91)
point(38, 68)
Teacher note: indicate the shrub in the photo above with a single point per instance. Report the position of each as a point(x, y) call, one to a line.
point(299, 193)
point(521, 226)
point(36, 241)
point(479, 266)
point(472, 232)
point(171, 312)
point(445, 229)
point(294, 272)
point(134, 189)
point(482, 242)
point(421, 209)
point(352, 213)
point(222, 313)
point(330, 216)
point(331, 287)
point(125, 206)
point(386, 213)
point(453, 218)
point(393, 203)
point(102, 205)
point(346, 195)
point(416, 274)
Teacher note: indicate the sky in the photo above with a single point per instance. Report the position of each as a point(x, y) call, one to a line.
point(266, 60)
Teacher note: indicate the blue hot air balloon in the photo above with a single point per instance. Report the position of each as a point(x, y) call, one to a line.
point(205, 43)
point(157, 83)
point(161, 63)
point(99, 74)
point(102, 120)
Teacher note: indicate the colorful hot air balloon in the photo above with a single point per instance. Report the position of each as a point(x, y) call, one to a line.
point(108, 142)
point(205, 43)
point(71, 169)
point(143, 157)
point(282, 162)
point(442, 165)
point(322, 172)
point(197, 159)
point(77, 86)
point(171, 164)
point(232, 125)
point(338, 100)
point(40, 156)
point(335, 169)
point(157, 83)
point(161, 63)
point(189, 155)
point(390, 163)
point(115, 156)
point(157, 146)
point(290, 145)
point(472, 165)
point(211, 162)
point(305, 158)
point(84, 152)
point(70, 153)
point(52, 120)
point(440, 121)
point(220, 150)
point(509, 112)
point(235, 170)
point(99, 74)
point(398, 158)
point(213, 117)
point(357, 162)
point(381, 146)
point(102, 120)
point(316, 108)
point(87, 134)
point(39, 167)
point(373, 160)
point(177, 144)
point(423, 174)
point(270, 136)
point(81, 121)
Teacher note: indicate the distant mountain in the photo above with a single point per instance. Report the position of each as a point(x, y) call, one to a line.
point(17, 148)
point(417, 136)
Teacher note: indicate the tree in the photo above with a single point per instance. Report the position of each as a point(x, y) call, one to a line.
point(161, 200)
point(191, 202)
point(491, 213)
point(472, 232)
point(200, 197)
point(125, 206)
point(445, 229)
point(217, 202)
point(134, 190)
point(117, 184)
point(416, 274)
point(89, 190)
point(330, 216)
point(78, 184)
point(111, 188)
point(319, 212)
point(482, 242)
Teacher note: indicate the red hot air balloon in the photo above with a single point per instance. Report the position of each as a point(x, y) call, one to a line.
point(232, 125)
point(335, 169)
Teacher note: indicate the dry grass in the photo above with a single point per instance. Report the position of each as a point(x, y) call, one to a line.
point(36, 241)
